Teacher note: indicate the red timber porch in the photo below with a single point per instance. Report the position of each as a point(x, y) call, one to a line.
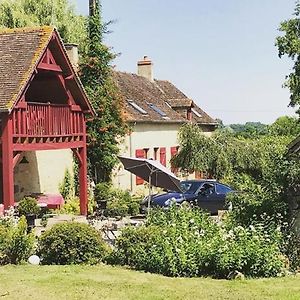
point(42, 104)
point(41, 126)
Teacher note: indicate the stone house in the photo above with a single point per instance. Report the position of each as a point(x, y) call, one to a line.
point(155, 110)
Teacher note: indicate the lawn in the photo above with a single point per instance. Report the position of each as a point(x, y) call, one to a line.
point(106, 282)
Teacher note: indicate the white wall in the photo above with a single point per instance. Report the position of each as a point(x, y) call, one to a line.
point(150, 136)
point(43, 173)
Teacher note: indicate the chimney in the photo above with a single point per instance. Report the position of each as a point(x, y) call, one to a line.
point(145, 68)
point(72, 51)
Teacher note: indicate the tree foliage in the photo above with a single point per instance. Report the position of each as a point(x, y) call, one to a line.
point(106, 129)
point(289, 44)
point(59, 13)
point(258, 164)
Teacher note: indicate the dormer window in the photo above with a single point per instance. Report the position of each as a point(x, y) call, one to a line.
point(137, 107)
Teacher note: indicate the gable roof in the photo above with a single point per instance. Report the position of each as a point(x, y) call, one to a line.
point(21, 50)
point(163, 94)
point(143, 93)
point(176, 98)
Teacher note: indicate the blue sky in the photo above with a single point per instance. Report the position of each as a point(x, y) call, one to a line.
point(219, 53)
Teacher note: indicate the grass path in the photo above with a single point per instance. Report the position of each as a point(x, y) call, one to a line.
point(106, 282)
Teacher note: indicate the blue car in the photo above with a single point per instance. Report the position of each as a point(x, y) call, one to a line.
point(207, 194)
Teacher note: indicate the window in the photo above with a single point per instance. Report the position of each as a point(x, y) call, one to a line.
point(155, 152)
point(158, 110)
point(137, 107)
point(196, 113)
point(223, 189)
point(146, 150)
point(139, 153)
point(162, 154)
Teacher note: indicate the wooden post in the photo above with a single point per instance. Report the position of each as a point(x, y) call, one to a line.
point(7, 162)
point(83, 182)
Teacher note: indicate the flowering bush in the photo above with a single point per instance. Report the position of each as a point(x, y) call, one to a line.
point(187, 242)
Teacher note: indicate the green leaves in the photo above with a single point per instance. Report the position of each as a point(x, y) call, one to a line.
point(71, 243)
point(289, 44)
point(59, 13)
point(187, 242)
point(107, 128)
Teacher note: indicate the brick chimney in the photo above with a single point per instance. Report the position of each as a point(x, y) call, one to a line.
point(144, 68)
point(72, 51)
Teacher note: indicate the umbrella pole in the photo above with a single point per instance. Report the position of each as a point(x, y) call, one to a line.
point(150, 192)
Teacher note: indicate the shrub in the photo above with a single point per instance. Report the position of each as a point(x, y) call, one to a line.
point(119, 203)
point(15, 244)
point(71, 206)
point(66, 187)
point(28, 205)
point(71, 243)
point(187, 242)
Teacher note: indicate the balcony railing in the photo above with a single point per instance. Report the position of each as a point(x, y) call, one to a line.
point(47, 120)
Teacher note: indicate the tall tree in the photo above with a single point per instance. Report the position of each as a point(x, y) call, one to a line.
point(60, 13)
point(106, 129)
point(289, 44)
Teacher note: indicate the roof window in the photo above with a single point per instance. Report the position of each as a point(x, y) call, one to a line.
point(196, 113)
point(158, 110)
point(137, 107)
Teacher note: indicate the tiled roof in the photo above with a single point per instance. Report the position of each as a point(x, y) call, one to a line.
point(162, 94)
point(144, 92)
point(19, 52)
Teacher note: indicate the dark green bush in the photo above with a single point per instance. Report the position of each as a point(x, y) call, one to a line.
point(187, 242)
point(71, 243)
point(15, 244)
point(28, 205)
point(119, 203)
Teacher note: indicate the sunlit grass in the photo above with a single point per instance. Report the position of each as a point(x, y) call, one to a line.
point(105, 282)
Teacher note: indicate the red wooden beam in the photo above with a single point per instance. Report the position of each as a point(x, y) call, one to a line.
point(16, 158)
point(77, 154)
point(7, 162)
point(49, 67)
point(83, 182)
point(48, 146)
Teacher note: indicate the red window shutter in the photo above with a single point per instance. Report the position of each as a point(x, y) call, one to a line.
point(162, 153)
point(174, 151)
point(139, 153)
point(198, 175)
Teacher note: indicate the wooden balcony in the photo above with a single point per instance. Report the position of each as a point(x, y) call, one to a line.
point(39, 120)
point(41, 126)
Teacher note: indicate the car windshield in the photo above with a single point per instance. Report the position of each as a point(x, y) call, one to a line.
point(190, 187)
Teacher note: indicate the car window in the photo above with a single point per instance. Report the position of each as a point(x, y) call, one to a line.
point(223, 189)
point(190, 186)
point(208, 189)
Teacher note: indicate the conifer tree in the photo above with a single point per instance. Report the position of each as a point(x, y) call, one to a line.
point(107, 128)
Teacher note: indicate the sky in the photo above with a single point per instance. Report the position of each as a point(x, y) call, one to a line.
point(220, 53)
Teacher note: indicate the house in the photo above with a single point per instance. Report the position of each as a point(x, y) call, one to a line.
point(155, 110)
point(43, 110)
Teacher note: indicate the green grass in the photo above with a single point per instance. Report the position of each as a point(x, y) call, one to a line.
point(106, 282)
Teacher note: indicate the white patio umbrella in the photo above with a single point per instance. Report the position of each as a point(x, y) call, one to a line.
point(153, 172)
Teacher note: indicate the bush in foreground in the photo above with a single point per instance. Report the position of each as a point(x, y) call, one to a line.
point(187, 242)
point(71, 243)
point(16, 245)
